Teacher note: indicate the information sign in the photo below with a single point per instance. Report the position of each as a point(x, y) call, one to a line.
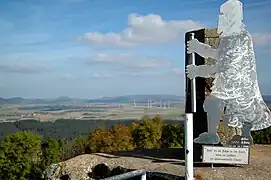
point(225, 155)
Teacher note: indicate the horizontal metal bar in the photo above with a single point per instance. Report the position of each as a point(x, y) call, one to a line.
point(128, 175)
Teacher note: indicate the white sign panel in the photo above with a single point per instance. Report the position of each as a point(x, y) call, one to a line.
point(225, 155)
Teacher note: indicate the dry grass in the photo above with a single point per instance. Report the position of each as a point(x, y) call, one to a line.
point(198, 177)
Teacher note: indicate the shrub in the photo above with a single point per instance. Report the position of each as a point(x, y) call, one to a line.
point(122, 138)
point(19, 153)
point(147, 133)
point(100, 141)
point(79, 145)
point(172, 136)
point(262, 137)
point(117, 138)
point(50, 152)
point(66, 149)
point(72, 148)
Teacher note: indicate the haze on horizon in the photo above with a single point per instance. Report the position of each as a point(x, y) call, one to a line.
point(97, 48)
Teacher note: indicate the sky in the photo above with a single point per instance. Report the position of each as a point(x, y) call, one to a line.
point(97, 48)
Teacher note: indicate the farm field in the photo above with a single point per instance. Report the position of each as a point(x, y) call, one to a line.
point(88, 111)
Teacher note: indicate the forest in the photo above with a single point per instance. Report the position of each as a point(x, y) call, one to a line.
point(67, 129)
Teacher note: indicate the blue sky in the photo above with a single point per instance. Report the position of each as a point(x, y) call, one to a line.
point(95, 48)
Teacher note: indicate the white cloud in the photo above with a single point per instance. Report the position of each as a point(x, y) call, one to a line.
point(22, 69)
point(100, 75)
point(143, 29)
point(262, 38)
point(104, 58)
point(179, 71)
point(67, 77)
point(128, 62)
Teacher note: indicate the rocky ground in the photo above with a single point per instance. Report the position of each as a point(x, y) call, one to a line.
point(81, 167)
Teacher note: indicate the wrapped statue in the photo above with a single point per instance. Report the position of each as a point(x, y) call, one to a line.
point(235, 89)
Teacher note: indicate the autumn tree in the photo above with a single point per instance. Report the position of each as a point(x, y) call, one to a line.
point(122, 138)
point(117, 138)
point(147, 133)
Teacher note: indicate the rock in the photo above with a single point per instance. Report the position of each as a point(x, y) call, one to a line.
point(99, 165)
point(77, 168)
point(52, 172)
point(119, 170)
point(88, 171)
point(226, 133)
point(65, 177)
point(100, 171)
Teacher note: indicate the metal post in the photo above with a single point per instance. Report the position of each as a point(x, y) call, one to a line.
point(189, 162)
point(189, 166)
point(144, 176)
point(128, 175)
point(193, 84)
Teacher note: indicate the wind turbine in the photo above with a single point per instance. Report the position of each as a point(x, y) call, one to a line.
point(134, 103)
point(161, 105)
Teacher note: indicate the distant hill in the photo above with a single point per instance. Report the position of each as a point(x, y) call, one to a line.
point(137, 98)
point(68, 100)
point(15, 100)
point(116, 99)
point(18, 100)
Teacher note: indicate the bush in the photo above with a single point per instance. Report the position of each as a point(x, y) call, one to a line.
point(66, 151)
point(122, 138)
point(172, 136)
point(262, 137)
point(118, 138)
point(50, 152)
point(72, 148)
point(100, 141)
point(19, 153)
point(79, 145)
point(147, 133)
